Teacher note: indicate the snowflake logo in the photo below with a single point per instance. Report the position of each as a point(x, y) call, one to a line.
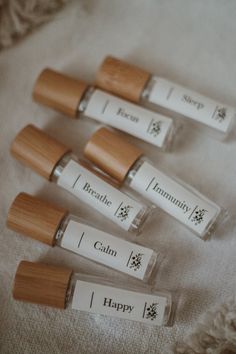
point(136, 261)
point(198, 216)
point(124, 212)
point(155, 128)
point(220, 114)
point(151, 311)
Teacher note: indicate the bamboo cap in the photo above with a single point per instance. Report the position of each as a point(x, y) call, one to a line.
point(35, 218)
point(38, 150)
point(112, 153)
point(59, 91)
point(42, 284)
point(122, 79)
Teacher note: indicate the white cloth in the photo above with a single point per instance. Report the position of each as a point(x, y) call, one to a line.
point(190, 42)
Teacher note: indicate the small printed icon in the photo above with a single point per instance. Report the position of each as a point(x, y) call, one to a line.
point(198, 216)
point(124, 212)
point(155, 128)
point(220, 114)
point(136, 261)
point(151, 311)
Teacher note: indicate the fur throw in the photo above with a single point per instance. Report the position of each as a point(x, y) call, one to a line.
point(17, 17)
point(214, 334)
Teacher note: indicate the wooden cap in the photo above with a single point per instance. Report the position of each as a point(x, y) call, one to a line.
point(35, 218)
point(38, 150)
point(59, 91)
point(112, 153)
point(122, 79)
point(42, 284)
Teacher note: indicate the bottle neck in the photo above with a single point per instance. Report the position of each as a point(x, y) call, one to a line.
point(134, 169)
point(61, 229)
point(85, 101)
point(148, 88)
point(61, 165)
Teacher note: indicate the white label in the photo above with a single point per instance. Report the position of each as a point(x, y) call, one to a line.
point(128, 117)
point(186, 206)
point(106, 249)
point(106, 300)
point(191, 104)
point(100, 195)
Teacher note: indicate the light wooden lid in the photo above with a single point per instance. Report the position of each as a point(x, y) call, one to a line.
point(112, 153)
point(42, 284)
point(121, 78)
point(59, 91)
point(38, 150)
point(35, 218)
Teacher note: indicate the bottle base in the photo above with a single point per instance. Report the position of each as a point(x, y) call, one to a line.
point(219, 220)
point(141, 219)
point(173, 135)
point(152, 268)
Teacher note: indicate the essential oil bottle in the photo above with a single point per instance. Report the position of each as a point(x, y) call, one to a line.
point(139, 86)
point(77, 99)
point(113, 154)
point(54, 226)
point(55, 162)
point(59, 287)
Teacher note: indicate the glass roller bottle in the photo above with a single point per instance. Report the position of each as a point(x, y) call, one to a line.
point(114, 155)
point(138, 85)
point(59, 287)
point(54, 226)
point(76, 99)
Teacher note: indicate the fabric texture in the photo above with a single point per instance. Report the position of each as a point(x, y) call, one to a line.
point(189, 42)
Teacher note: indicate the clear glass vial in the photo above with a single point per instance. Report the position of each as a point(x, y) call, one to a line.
point(54, 226)
point(55, 162)
point(76, 99)
point(139, 86)
point(129, 167)
point(61, 288)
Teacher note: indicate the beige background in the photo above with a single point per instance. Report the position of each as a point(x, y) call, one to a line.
point(191, 42)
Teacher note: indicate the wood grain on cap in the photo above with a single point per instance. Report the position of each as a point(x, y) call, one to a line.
point(42, 284)
point(38, 150)
point(59, 91)
point(35, 218)
point(112, 153)
point(121, 78)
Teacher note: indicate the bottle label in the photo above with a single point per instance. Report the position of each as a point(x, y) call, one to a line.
point(131, 305)
point(99, 194)
point(130, 118)
point(106, 249)
point(191, 104)
point(189, 207)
